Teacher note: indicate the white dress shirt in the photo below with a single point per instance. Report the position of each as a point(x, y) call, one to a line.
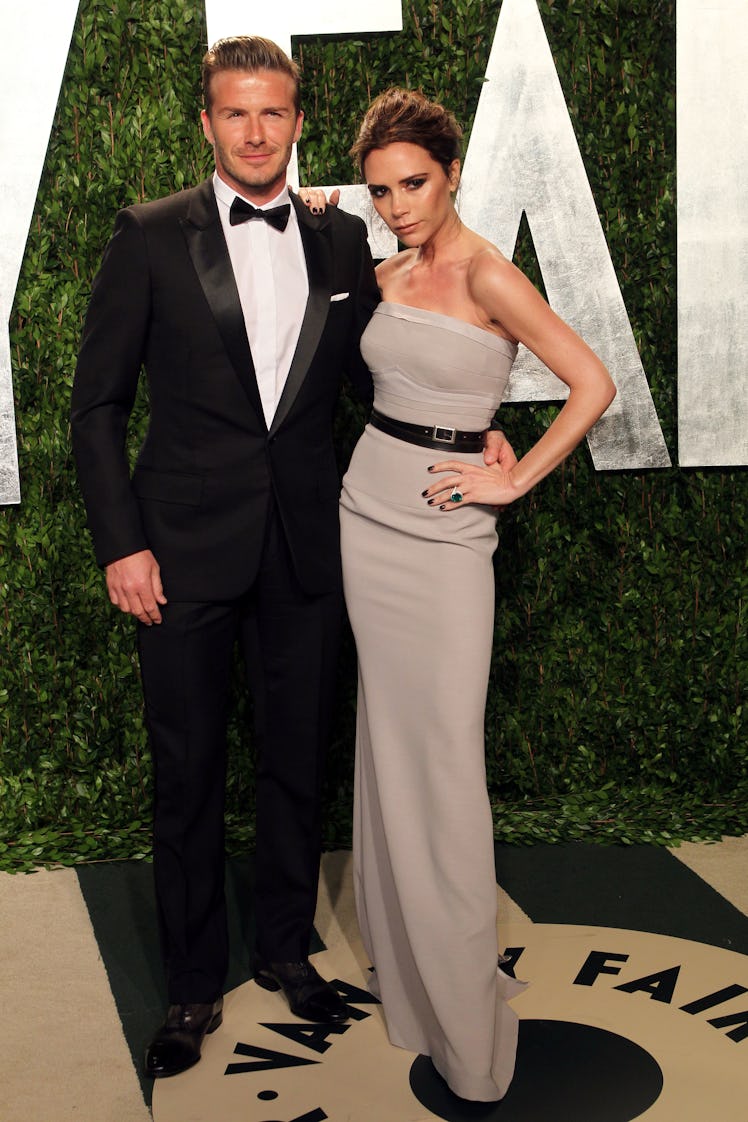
point(270, 272)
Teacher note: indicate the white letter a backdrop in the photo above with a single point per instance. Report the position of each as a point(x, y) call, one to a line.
point(28, 98)
point(523, 156)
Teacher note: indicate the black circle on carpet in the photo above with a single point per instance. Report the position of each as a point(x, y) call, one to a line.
point(565, 1071)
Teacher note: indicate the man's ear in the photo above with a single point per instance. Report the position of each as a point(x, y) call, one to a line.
point(299, 124)
point(207, 130)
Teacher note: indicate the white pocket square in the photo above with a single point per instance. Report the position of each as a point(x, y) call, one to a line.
point(339, 296)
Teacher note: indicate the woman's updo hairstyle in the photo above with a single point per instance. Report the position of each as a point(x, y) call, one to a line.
point(407, 117)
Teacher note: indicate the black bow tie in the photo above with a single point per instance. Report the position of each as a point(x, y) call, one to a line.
point(277, 216)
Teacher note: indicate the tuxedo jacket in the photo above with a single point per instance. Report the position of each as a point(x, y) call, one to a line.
point(165, 299)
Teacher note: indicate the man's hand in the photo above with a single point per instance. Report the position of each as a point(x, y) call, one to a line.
point(134, 585)
point(498, 450)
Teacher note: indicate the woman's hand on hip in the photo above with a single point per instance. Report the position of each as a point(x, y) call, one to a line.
point(470, 483)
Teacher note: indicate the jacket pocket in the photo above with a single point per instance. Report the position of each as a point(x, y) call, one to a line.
point(168, 486)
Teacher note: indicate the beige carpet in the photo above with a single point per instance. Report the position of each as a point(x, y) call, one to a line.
point(63, 1056)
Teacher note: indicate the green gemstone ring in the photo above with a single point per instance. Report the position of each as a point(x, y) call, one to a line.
point(456, 496)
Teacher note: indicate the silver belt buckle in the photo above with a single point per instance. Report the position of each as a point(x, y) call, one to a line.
point(437, 429)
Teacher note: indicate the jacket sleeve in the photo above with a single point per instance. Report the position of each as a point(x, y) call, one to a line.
point(367, 298)
point(104, 388)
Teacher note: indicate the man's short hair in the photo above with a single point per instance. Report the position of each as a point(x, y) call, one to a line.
point(248, 52)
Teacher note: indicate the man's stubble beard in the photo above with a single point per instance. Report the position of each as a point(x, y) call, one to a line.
point(261, 179)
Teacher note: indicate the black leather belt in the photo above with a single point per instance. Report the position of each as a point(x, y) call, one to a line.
point(428, 436)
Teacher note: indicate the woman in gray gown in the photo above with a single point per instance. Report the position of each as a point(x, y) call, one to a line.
point(418, 529)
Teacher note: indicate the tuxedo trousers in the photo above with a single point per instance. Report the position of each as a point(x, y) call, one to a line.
point(289, 642)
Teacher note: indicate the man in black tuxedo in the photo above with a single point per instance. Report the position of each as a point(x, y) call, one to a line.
point(228, 527)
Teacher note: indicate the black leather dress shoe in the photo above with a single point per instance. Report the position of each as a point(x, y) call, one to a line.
point(176, 1046)
point(309, 996)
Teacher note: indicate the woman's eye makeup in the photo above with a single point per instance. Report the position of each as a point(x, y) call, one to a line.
point(378, 191)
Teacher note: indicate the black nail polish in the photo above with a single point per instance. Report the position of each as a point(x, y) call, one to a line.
point(424, 494)
point(430, 468)
point(430, 502)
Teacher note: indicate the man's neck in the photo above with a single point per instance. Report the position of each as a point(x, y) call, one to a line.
point(260, 198)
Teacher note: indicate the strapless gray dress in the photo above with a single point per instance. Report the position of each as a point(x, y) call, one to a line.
point(419, 589)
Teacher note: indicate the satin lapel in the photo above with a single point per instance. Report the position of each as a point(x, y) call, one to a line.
point(207, 248)
point(315, 238)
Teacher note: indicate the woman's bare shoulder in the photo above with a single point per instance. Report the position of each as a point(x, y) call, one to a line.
point(488, 264)
point(493, 279)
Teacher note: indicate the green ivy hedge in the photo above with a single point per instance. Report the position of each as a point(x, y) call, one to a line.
point(619, 675)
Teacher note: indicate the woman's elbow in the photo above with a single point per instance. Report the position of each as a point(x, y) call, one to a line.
point(605, 387)
point(610, 390)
